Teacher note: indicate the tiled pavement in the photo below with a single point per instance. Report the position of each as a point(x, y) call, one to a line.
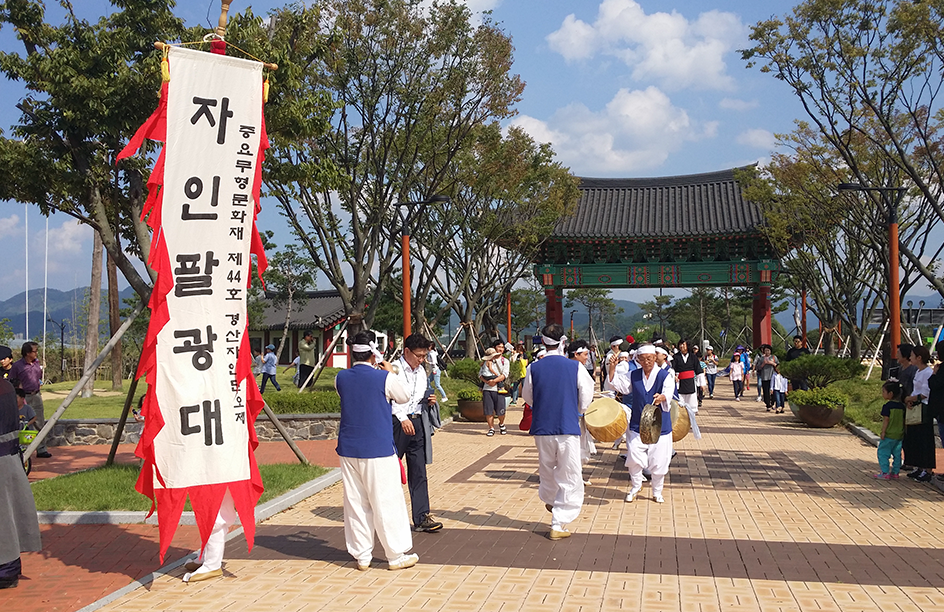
point(761, 514)
point(80, 564)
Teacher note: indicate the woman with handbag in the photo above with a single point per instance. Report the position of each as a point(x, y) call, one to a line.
point(919, 422)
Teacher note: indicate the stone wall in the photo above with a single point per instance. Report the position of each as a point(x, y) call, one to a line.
point(69, 432)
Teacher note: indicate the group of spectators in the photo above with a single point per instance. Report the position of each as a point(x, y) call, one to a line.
point(914, 399)
point(20, 403)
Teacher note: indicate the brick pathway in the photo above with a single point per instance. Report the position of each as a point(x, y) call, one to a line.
point(761, 514)
point(80, 564)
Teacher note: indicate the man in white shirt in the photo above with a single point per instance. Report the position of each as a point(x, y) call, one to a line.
point(413, 422)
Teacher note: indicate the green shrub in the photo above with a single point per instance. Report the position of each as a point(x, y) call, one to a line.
point(470, 395)
point(290, 401)
point(465, 369)
point(821, 370)
point(820, 396)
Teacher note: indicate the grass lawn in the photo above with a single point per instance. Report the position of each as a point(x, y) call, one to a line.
point(108, 404)
point(112, 488)
point(865, 405)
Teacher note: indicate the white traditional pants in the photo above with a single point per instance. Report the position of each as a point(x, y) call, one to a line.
point(587, 446)
point(213, 551)
point(374, 503)
point(690, 400)
point(561, 477)
point(655, 457)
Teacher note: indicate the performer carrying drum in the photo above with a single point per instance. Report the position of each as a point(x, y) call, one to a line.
point(648, 388)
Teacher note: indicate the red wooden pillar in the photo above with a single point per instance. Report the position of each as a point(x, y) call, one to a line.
point(762, 316)
point(555, 305)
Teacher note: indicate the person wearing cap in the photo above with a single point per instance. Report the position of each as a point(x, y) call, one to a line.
point(19, 527)
point(558, 391)
point(413, 424)
point(711, 369)
point(644, 386)
point(370, 470)
point(687, 368)
point(269, 368)
point(492, 374)
point(27, 374)
point(6, 362)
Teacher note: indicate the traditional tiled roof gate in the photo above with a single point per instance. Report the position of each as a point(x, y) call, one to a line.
point(677, 231)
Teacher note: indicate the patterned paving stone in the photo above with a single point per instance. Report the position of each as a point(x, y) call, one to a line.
point(761, 514)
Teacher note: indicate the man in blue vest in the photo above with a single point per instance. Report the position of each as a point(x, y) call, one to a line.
point(647, 385)
point(370, 469)
point(558, 391)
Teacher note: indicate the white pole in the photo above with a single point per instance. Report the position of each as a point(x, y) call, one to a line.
point(934, 339)
point(26, 267)
point(876, 349)
point(45, 290)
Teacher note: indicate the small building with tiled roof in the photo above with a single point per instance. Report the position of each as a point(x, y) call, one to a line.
point(675, 231)
point(321, 312)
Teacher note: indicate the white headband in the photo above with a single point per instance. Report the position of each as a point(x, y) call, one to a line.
point(367, 348)
point(616, 343)
point(659, 349)
point(646, 349)
point(545, 340)
point(582, 349)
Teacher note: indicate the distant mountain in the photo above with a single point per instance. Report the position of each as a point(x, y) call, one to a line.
point(60, 305)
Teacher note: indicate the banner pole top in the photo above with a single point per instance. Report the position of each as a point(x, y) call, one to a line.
point(221, 27)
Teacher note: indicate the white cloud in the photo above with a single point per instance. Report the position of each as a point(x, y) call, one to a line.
point(665, 48)
point(636, 130)
point(70, 237)
point(9, 227)
point(757, 138)
point(738, 105)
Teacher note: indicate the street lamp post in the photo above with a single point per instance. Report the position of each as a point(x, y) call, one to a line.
point(62, 345)
point(572, 324)
point(894, 297)
point(405, 209)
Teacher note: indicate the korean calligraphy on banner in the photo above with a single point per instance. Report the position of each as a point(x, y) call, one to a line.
point(202, 400)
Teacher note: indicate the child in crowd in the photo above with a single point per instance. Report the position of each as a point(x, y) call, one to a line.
point(488, 370)
point(736, 374)
point(893, 431)
point(778, 388)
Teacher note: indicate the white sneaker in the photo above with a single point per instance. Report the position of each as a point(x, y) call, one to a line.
point(403, 562)
point(631, 497)
point(737, 399)
point(659, 499)
point(363, 566)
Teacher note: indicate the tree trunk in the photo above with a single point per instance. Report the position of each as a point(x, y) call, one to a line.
point(288, 317)
point(94, 311)
point(114, 322)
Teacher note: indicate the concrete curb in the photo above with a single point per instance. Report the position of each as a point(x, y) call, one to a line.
point(263, 511)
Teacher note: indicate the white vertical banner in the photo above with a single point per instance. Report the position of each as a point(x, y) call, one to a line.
point(214, 122)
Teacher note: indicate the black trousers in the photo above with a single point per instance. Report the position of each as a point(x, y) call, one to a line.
point(768, 399)
point(303, 372)
point(414, 449)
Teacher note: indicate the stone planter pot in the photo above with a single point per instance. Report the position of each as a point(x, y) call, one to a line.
point(820, 416)
point(471, 410)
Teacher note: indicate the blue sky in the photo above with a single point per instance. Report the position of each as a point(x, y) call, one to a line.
point(621, 88)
